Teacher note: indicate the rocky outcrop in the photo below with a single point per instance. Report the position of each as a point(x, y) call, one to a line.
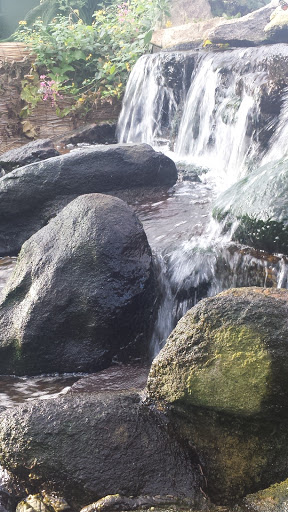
point(245, 31)
point(35, 151)
point(259, 204)
point(186, 36)
point(82, 292)
point(223, 372)
point(91, 446)
point(32, 195)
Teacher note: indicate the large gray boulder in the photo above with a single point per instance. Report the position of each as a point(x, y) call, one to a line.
point(224, 374)
point(259, 204)
point(82, 292)
point(90, 446)
point(31, 195)
point(245, 31)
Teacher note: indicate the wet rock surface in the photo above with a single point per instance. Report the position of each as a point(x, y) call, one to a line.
point(90, 446)
point(32, 195)
point(82, 292)
point(115, 378)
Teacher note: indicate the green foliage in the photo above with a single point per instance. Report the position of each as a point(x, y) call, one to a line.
point(48, 9)
point(90, 62)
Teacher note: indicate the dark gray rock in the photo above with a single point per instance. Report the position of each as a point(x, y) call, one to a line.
point(245, 31)
point(103, 133)
point(35, 151)
point(30, 196)
point(90, 446)
point(259, 203)
point(82, 292)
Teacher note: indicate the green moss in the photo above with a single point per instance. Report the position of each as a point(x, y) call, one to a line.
point(273, 499)
point(234, 376)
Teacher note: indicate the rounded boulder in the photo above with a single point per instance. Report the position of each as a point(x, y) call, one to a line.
point(228, 354)
point(82, 293)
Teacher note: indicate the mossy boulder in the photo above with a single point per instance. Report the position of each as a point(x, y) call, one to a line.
point(224, 374)
point(259, 203)
point(228, 353)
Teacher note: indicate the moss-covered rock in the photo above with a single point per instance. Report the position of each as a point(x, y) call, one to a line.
point(224, 374)
point(228, 353)
point(259, 202)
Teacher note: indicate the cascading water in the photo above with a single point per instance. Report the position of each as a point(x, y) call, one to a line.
point(218, 118)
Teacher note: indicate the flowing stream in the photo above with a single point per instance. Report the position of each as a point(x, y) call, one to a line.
point(208, 116)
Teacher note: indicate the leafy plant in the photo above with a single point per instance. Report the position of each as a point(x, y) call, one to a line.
point(90, 62)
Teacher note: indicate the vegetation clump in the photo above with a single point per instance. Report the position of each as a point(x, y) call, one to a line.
point(87, 62)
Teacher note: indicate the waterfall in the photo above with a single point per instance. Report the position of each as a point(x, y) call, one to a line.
point(213, 129)
point(215, 114)
point(154, 93)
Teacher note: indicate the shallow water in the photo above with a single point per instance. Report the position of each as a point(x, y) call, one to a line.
point(18, 390)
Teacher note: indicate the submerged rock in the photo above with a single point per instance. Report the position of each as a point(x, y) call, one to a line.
point(91, 446)
point(32, 195)
point(82, 292)
point(35, 151)
point(224, 374)
point(259, 203)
